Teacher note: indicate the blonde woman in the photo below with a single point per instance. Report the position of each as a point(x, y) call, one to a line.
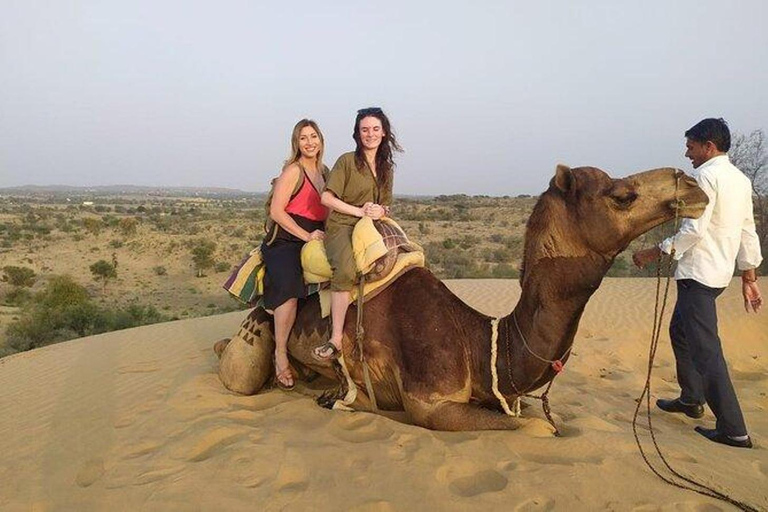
point(298, 216)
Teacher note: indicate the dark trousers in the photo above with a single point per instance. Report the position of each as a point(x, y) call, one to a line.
point(701, 369)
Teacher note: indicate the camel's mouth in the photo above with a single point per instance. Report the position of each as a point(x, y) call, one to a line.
point(688, 210)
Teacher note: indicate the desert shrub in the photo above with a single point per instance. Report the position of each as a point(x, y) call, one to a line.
point(505, 270)
point(18, 276)
point(222, 266)
point(103, 271)
point(116, 244)
point(619, 268)
point(93, 226)
point(128, 226)
point(63, 310)
point(18, 297)
point(159, 270)
point(468, 241)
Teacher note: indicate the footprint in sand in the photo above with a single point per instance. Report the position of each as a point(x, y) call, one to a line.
point(90, 472)
point(213, 442)
point(291, 477)
point(141, 449)
point(535, 504)
point(155, 475)
point(361, 428)
point(481, 482)
point(404, 448)
point(267, 401)
point(373, 506)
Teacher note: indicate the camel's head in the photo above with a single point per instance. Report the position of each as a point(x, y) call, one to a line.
point(607, 214)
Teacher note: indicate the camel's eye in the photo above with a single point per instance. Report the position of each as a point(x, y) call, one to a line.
point(624, 199)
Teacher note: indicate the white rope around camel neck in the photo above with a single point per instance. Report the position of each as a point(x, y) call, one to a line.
point(495, 374)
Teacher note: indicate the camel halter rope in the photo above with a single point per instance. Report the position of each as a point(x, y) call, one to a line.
point(556, 364)
point(655, 333)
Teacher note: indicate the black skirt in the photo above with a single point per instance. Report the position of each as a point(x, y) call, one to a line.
point(284, 278)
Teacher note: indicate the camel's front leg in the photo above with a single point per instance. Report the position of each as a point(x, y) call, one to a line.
point(457, 416)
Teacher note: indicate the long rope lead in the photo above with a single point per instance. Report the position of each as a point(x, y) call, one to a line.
point(658, 316)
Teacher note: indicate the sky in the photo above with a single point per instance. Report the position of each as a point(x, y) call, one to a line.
point(486, 97)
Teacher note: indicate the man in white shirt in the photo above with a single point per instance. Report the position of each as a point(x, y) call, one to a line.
point(706, 249)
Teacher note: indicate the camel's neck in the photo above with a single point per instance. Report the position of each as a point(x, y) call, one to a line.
point(555, 292)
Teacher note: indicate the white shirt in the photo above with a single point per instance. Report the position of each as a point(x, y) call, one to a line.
point(707, 247)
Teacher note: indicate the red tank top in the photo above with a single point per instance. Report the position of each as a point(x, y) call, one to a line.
point(306, 202)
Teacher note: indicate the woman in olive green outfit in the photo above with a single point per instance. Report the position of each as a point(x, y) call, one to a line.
point(360, 185)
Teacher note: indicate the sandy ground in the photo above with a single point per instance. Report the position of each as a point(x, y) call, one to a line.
point(138, 420)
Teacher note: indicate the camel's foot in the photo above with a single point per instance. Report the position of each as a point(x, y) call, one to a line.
point(220, 346)
point(329, 398)
point(338, 394)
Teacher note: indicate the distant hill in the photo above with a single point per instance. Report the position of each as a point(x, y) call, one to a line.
point(127, 190)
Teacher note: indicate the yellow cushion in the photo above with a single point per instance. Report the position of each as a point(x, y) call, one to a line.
point(367, 244)
point(315, 262)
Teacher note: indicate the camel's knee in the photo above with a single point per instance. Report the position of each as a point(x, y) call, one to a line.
point(245, 368)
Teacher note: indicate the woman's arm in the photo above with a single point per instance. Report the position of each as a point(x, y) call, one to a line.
point(329, 200)
point(283, 188)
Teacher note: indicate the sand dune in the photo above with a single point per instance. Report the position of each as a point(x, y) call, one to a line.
point(137, 420)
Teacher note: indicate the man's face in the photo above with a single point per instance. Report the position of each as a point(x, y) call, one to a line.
point(698, 152)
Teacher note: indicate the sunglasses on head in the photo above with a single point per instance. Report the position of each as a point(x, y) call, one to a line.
point(369, 111)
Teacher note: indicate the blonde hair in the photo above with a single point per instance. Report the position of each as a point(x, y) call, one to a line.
point(296, 150)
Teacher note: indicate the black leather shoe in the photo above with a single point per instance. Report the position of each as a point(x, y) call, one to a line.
point(690, 410)
point(713, 435)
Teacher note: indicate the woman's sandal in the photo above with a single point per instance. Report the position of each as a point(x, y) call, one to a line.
point(326, 352)
point(284, 375)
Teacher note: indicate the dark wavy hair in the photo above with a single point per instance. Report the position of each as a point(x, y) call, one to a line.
point(385, 164)
point(711, 130)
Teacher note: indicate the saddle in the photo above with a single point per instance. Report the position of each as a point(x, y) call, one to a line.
point(382, 252)
point(376, 245)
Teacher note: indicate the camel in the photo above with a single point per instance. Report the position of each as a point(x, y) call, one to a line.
point(430, 355)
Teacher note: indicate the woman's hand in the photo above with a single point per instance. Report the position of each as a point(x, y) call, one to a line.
point(316, 235)
point(373, 210)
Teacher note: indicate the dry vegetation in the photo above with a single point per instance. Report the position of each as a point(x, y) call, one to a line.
point(172, 254)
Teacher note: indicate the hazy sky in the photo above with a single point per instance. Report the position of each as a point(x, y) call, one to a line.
point(486, 97)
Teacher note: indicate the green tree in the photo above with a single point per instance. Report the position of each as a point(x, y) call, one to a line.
point(20, 277)
point(103, 271)
point(202, 255)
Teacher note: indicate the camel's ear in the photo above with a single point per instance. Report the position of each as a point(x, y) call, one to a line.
point(563, 179)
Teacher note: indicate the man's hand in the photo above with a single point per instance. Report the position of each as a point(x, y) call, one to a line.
point(753, 301)
point(645, 256)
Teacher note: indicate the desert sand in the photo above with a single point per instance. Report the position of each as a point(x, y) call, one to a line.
point(138, 420)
